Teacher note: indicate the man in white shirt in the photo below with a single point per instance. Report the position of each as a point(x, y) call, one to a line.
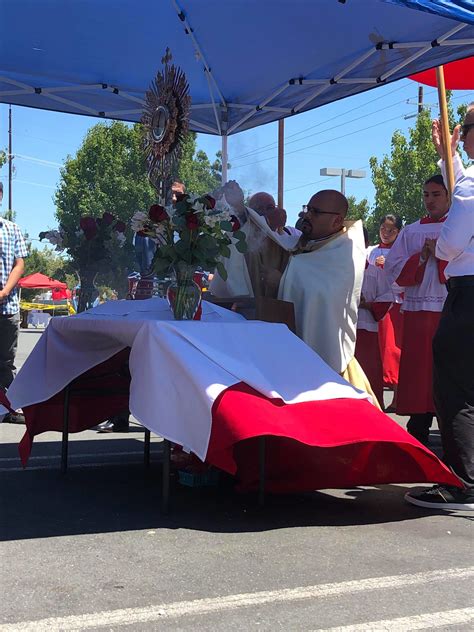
point(453, 345)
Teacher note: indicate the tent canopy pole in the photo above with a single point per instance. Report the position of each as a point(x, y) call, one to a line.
point(443, 107)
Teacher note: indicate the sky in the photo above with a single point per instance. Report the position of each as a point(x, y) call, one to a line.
point(344, 134)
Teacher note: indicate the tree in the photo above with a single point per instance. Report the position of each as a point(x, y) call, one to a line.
point(199, 175)
point(398, 178)
point(108, 173)
point(358, 210)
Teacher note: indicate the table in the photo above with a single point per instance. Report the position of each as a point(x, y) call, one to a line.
point(37, 318)
point(215, 387)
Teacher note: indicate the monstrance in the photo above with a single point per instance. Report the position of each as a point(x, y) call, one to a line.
point(165, 121)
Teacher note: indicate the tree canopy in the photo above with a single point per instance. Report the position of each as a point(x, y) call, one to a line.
point(398, 178)
point(108, 173)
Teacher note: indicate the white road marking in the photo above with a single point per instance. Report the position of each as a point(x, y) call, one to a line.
point(416, 622)
point(196, 607)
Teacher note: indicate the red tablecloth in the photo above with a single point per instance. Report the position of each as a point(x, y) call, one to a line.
point(336, 443)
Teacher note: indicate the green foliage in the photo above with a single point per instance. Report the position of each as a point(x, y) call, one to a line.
point(398, 178)
point(3, 157)
point(358, 210)
point(199, 175)
point(108, 173)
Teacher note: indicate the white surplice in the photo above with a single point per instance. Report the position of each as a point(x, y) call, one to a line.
point(325, 285)
point(375, 289)
point(430, 294)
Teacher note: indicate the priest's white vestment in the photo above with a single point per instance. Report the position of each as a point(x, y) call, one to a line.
point(323, 280)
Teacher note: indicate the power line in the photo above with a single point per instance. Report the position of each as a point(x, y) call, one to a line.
point(302, 186)
point(273, 145)
point(46, 163)
point(36, 184)
point(329, 140)
point(337, 116)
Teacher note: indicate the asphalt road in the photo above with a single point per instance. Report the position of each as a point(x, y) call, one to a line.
point(93, 551)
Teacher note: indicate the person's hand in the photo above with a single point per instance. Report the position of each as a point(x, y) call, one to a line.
point(426, 251)
point(431, 246)
point(437, 137)
point(270, 277)
point(233, 194)
point(276, 218)
point(380, 261)
point(3, 295)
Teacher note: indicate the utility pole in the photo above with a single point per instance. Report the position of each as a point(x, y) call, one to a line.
point(420, 99)
point(281, 159)
point(10, 165)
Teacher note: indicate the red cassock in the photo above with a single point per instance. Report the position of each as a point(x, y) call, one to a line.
point(367, 353)
point(391, 325)
point(378, 298)
point(424, 297)
point(390, 342)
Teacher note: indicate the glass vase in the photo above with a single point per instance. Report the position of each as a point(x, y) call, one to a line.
point(88, 290)
point(183, 294)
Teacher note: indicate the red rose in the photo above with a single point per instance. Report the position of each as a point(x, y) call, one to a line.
point(157, 213)
point(210, 201)
point(107, 218)
point(192, 221)
point(235, 223)
point(120, 226)
point(87, 223)
point(89, 226)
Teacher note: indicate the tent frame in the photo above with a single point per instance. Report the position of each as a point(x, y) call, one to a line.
point(217, 101)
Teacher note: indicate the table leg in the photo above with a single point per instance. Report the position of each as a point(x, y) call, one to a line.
point(261, 471)
point(146, 453)
point(166, 475)
point(65, 437)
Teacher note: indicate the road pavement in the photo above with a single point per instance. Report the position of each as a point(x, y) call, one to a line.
point(92, 550)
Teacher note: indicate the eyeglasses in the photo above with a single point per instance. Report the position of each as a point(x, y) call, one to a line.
point(318, 211)
point(465, 129)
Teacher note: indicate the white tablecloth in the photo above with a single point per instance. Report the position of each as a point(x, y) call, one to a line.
point(36, 317)
point(178, 369)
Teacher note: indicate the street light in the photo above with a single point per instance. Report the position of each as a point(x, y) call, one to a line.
point(344, 173)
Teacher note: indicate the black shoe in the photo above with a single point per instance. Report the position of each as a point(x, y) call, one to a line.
point(444, 498)
point(14, 418)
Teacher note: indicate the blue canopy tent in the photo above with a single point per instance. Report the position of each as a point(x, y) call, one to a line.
point(247, 62)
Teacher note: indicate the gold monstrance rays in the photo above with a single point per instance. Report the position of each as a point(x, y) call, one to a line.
point(165, 120)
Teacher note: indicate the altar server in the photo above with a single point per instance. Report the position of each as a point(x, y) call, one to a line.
point(413, 264)
point(390, 327)
point(375, 301)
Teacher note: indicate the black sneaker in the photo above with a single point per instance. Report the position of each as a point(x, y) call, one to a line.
point(444, 498)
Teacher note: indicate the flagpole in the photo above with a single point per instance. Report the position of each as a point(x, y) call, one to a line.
point(443, 106)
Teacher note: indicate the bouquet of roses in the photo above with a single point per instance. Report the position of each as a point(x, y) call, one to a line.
point(197, 233)
point(92, 242)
